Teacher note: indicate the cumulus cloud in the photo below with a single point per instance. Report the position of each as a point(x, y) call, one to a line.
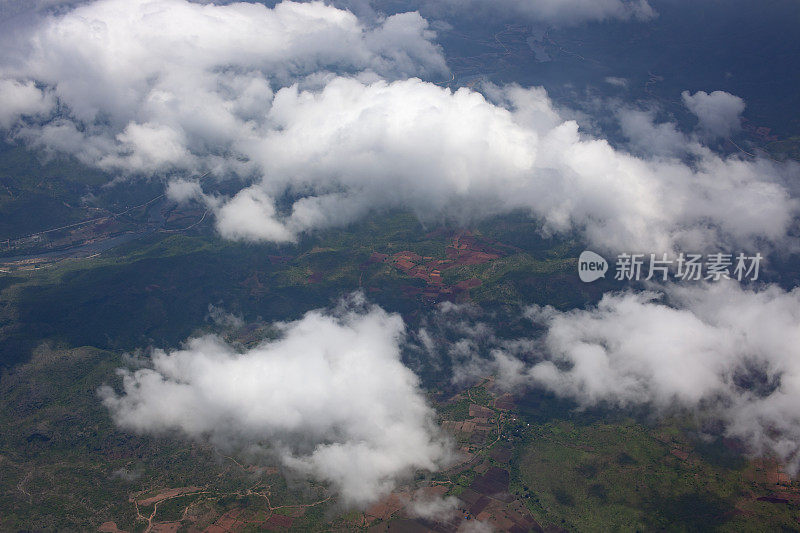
point(331, 398)
point(730, 351)
point(719, 113)
point(149, 84)
point(251, 216)
point(353, 146)
point(165, 86)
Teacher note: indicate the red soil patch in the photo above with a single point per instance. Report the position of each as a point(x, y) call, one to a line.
point(465, 249)
point(254, 284)
point(505, 402)
point(109, 527)
point(495, 481)
point(468, 284)
point(228, 522)
point(385, 508)
point(680, 454)
point(479, 411)
point(277, 521)
point(171, 493)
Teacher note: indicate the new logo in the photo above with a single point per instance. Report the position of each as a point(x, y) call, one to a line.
point(591, 266)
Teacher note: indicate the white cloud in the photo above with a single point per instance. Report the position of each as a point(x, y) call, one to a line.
point(224, 319)
point(331, 398)
point(719, 113)
point(646, 136)
point(144, 84)
point(730, 351)
point(149, 148)
point(19, 99)
point(432, 507)
point(355, 146)
point(181, 191)
point(157, 86)
point(250, 215)
point(615, 81)
point(164, 86)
